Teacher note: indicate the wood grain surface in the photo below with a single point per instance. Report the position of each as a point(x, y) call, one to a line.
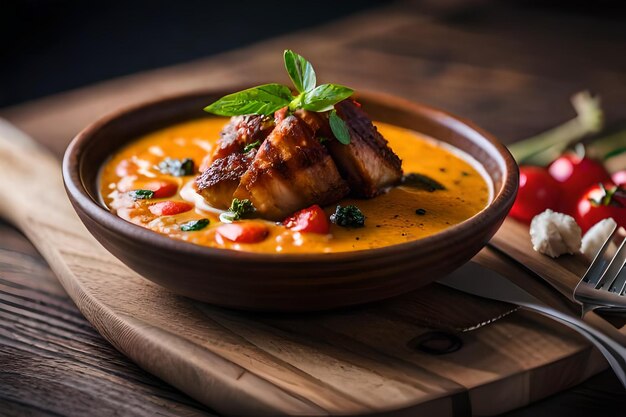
point(355, 361)
point(480, 75)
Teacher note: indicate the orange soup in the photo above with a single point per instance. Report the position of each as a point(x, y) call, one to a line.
point(402, 214)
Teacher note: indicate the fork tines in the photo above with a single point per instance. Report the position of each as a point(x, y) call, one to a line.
point(607, 272)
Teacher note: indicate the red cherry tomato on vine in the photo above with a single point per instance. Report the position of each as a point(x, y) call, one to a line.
point(599, 202)
point(312, 220)
point(575, 174)
point(538, 191)
point(619, 177)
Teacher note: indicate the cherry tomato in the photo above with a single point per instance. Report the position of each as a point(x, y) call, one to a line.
point(576, 174)
point(311, 220)
point(169, 208)
point(619, 177)
point(241, 232)
point(538, 191)
point(599, 202)
point(161, 189)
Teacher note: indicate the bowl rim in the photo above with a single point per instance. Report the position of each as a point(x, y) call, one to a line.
point(78, 195)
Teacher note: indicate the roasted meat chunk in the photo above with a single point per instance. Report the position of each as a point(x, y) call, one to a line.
point(239, 132)
point(219, 181)
point(291, 171)
point(317, 122)
point(367, 163)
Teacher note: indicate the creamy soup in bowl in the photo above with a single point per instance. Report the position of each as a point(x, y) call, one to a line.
point(407, 211)
point(423, 213)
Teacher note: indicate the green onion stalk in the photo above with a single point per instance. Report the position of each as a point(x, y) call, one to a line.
point(547, 146)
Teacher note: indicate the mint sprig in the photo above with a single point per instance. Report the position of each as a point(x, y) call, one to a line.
point(268, 98)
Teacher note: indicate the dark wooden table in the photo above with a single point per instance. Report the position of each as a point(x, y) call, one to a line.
point(509, 68)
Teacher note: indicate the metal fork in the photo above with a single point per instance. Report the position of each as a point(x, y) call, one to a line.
point(604, 283)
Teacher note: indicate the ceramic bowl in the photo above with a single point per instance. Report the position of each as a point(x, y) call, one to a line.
point(285, 282)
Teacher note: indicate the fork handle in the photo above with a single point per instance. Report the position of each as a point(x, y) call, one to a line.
point(614, 353)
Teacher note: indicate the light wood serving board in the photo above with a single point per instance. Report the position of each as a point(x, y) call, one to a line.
point(352, 362)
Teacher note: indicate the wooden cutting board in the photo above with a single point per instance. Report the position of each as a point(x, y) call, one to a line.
point(356, 361)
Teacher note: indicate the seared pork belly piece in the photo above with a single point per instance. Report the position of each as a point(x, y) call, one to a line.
point(367, 163)
point(218, 182)
point(239, 132)
point(317, 122)
point(291, 171)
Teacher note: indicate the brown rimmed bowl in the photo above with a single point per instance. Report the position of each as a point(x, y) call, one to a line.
point(285, 282)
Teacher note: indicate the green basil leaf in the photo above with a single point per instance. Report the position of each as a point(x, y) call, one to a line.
point(194, 225)
point(300, 71)
point(324, 97)
point(141, 194)
point(339, 128)
point(263, 99)
point(238, 209)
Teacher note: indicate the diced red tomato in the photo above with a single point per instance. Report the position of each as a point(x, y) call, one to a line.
point(241, 232)
point(310, 220)
point(169, 208)
point(538, 191)
point(161, 189)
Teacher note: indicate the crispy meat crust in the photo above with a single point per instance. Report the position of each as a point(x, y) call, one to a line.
point(291, 170)
point(367, 163)
point(242, 131)
point(317, 122)
point(218, 183)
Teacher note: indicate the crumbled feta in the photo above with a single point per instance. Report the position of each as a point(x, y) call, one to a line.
point(555, 234)
point(596, 236)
